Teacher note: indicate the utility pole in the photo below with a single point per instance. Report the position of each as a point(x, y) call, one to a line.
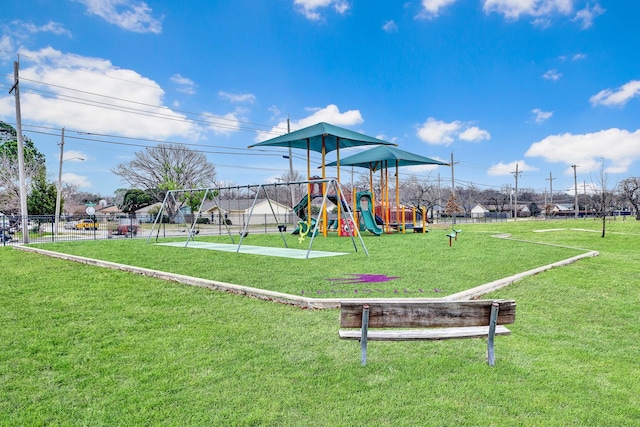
point(453, 190)
point(515, 209)
point(584, 189)
point(21, 173)
point(575, 190)
point(550, 179)
point(59, 192)
point(439, 194)
point(293, 197)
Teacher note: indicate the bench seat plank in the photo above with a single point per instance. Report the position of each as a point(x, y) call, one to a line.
point(429, 314)
point(422, 334)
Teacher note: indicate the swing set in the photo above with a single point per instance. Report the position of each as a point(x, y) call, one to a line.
point(311, 227)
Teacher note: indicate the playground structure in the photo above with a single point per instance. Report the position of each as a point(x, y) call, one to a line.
point(324, 138)
point(380, 159)
point(361, 207)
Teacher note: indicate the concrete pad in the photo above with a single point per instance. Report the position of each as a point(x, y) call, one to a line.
point(255, 250)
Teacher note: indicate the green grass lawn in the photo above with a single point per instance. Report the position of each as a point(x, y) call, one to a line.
point(423, 265)
point(81, 345)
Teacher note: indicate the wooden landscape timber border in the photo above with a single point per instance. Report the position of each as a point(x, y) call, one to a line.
point(303, 302)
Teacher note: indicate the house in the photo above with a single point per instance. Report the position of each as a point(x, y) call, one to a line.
point(148, 213)
point(562, 210)
point(110, 212)
point(238, 211)
point(524, 211)
point(235, 210)
point(479, 211)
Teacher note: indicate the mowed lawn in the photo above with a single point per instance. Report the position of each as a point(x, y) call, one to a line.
point(82, 345)
point(397, 265)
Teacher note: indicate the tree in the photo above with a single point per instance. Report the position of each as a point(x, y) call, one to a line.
point(34, 164)
point(534, 209)
point(630, 189)
point(603, 199)
point(467, 196)
point(167, 167)
point(452, 207)
point(495, 200)
point(134, 200)
point(420, 192)
point(41, 200)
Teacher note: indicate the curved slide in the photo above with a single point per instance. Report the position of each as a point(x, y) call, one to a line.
point(366, 212)
point(370, 222)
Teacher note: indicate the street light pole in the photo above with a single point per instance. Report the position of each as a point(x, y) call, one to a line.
point(576, 206)
point(59, 190)
point(59, 193)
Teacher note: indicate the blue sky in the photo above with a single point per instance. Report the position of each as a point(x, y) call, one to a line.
point(544, 84)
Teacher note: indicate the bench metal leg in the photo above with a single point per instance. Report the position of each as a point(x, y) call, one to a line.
point(493, 321)
point(363, 334)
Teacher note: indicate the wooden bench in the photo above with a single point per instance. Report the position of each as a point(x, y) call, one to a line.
point(425, 320)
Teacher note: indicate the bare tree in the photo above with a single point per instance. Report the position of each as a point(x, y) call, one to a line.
point(230, 190)
point(603, 199)
point(167, 167)
point(495, 200)
point(630, 189)
point(420, 192)
point(467, 197)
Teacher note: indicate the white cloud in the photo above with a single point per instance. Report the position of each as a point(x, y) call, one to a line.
point(618, 97)
point(329, 114)
point(393, 139)
point(474, 133)
point(92, 95)
point(552, 75)
point(50, 27)
point(247, 98)
point(514, 9)
point(579, 56)
point(275, 112)
point(7, 51)
point(619, 147)
point(590, 188)
point(438, 132)
point(225, 124)
point(18, 33)
point(74, 179)
point(502, 168)
point(130, 15)
point(541, 116)
point(341, 7)
point(588, 14)
point(542, 11)
point(422, 169)
point(442, 133)
point(431, 8)
point(185, 85)
point(541, 22)
point(390, 26)
point(309, 8)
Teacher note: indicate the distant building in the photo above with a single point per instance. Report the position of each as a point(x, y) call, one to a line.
point(479, 211)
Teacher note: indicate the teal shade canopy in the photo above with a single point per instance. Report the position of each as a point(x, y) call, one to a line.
point(334, 137)
point(385, 156)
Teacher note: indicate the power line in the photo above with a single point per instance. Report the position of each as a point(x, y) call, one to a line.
point(208, 119)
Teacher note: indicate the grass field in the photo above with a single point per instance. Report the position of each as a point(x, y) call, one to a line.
point(82, 345)
point(423, 265)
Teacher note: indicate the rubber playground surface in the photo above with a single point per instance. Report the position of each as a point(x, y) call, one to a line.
point(255, 250)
